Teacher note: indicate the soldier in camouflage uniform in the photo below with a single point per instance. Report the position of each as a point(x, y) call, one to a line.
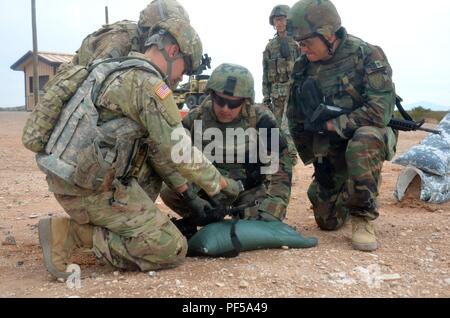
point(278, 61)
point(121, 38)
point(348, 150)
point(230, 105)
point(118, 219)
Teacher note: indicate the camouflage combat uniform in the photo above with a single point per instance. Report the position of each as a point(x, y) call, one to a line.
point(130, 231)
point(273, 193)
point(278, 64)
point(348, 163)
point(278, 61)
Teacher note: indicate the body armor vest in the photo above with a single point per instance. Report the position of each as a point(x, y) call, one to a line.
point(282, 56)
point(340, 80)
point(234, 169)
point(84, 152)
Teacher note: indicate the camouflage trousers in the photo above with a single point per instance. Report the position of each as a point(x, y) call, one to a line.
point(173, 201)
point(130, 232)
point(279, 106)
point(347, 181)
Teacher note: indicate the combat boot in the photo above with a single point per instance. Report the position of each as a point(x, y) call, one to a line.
point(58, 238)
point(363, 235)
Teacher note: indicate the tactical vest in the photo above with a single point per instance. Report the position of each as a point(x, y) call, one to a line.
point(236, 171)
point(89, 154)
point(340, 80)
point(282, 55)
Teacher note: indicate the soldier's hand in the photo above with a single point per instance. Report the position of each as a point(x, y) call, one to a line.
point(230, 191)
point(196, 205)
point(211, 215)
point(320, 127)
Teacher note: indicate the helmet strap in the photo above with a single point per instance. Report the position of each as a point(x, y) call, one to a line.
point(169, 62)
point(328, 44)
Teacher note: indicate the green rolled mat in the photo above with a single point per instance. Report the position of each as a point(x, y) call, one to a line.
point(215, 240)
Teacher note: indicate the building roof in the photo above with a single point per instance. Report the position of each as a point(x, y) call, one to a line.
point(51, 58)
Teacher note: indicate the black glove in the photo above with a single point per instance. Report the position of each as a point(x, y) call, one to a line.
point(196, 205)
point(310, 96)
point(187, 227)
point(216, 214)
point(318, 127)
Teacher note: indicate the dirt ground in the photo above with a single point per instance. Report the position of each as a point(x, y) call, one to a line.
point(413, 261)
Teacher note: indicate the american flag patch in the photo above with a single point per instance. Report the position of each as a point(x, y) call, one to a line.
point(163, 91)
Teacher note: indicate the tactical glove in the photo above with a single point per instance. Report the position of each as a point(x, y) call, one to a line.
point(316, 127)
point(197, 206)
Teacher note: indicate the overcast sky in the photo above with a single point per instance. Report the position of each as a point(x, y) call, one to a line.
point(414, 34)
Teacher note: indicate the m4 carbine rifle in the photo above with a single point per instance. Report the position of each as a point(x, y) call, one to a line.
point(320, 113)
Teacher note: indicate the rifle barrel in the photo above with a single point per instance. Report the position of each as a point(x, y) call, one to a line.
point(433, 131)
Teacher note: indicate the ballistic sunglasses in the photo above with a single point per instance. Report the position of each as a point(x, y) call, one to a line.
point(232, 104)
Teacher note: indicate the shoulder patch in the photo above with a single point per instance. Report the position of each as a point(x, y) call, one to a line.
point(166, 106)
point(163, 91)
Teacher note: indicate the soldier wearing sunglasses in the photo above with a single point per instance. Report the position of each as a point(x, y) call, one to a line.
point(230, 105)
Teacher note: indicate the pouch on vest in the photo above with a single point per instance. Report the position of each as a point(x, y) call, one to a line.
point(272, 71)
point(214, 240)
point(94, 166)
point(57, 92)
point(282, 70)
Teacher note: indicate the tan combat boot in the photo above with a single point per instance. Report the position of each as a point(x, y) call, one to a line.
point(58, 238)
point(363, 235)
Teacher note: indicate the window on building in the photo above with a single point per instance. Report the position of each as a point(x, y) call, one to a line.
point(42, 81)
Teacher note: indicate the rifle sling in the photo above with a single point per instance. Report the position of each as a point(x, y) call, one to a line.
point(402, 111)
point(350, 89)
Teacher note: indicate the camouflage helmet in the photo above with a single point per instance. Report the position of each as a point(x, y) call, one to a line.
point(314, 17)
point(232, 80)
point(187, 39)
point(278, 11)
point(160, 10)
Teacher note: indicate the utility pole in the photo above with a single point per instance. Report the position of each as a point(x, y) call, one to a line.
point(106, 15)
point(35, 54)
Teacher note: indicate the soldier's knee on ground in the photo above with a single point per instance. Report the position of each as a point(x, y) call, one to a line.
point(329, 215)
point(165, 248)
point(328, 219)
